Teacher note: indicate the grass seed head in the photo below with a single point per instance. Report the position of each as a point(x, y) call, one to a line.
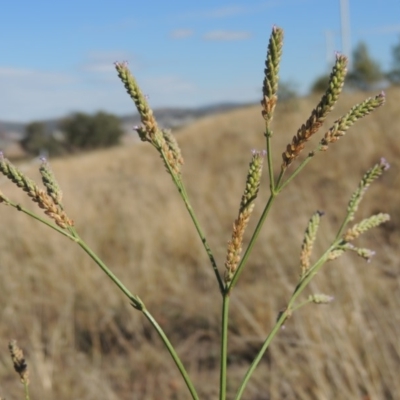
point(163, 141)
point(171, 150)
point(308, 242)
point(146, 114)
point(271, 72)
point(50, 182)
point(371, 175)
point(44, 200)
point(339, 128)
point(320, 298)
point(319, 114)
point(245, 210)
point(20, 365)
point(16, 176)
point(366, 224)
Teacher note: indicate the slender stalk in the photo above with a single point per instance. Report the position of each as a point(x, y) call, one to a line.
point(279, 180)
point(343, 226)
point(252, 240)
point(224, 346)
point(173, 354)
point(308, 277)
point(205, 243)
point(270, 165)
point(298, 290)
point(182, 191)
point(138, 304)
point(108, 272)
point(26, 390)
point(301, 166)
point(289, 309)
point(260, 354)
point(42, 220)
point(295, 173)
point(302, 304)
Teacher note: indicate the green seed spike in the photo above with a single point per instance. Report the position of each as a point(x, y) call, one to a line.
point(146, 114)
point(319, 114)
point(320, 298)
point(270, 85)
point(366, 224)
point(341, 125)
point(372, 174)
point(308, 242)
point(50, 182)
point(245, 210)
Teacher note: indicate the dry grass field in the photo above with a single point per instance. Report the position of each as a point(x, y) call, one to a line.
point(83, 340)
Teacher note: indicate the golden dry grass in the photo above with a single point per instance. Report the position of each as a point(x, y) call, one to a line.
point(81, 338)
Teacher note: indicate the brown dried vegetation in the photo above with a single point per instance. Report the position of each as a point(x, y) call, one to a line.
point(82, 339)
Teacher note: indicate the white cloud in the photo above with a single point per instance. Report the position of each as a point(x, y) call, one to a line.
point(227, 35)
point(167, 85)
point(225, 12)
point(231, 10)
point(29, 94)
point(27, 77)
point(181, 33)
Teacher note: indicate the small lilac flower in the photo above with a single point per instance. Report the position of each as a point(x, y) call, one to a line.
point(384, 164)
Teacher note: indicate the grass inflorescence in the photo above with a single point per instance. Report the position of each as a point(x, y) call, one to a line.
point(312, 257)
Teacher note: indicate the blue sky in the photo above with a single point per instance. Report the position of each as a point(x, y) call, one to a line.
point(56, 57)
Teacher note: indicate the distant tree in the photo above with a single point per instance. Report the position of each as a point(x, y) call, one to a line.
point(287, 91)
point(320, 84)
point(287, 95)
point(87, 132)
point(37, 140)
point(394, 75)
point(365, 72)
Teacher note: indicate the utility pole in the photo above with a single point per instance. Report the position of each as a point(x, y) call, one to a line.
point(330, 48)
point(345, 30)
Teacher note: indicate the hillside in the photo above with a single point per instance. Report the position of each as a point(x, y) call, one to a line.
point(167, 117)
point(84, 341)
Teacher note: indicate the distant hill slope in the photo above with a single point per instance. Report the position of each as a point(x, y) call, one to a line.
point(167, 117)
point(126, 207)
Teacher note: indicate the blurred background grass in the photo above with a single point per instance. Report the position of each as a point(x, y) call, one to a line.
point(82, 339)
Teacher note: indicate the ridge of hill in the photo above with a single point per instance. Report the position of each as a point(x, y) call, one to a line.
point(168, 117)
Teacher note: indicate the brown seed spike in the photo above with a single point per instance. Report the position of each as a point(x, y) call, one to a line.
point(319, 114)
point(19, 362)
point(245, 210)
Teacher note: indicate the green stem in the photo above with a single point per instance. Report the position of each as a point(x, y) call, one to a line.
point(289, 309)
point(182, 191)
point(270, 165)
point(343, 226)
point(310, 274)
point(317, 266)
point(296, 172)
point(26, 389)
point(173, 354)
point(260, 354)
point(139, 305)
point(302, 304)
point(108, 272)
point(224, 346)
point(252, 240)
point(40, 219)
point(304, 282)
point(319, 148)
